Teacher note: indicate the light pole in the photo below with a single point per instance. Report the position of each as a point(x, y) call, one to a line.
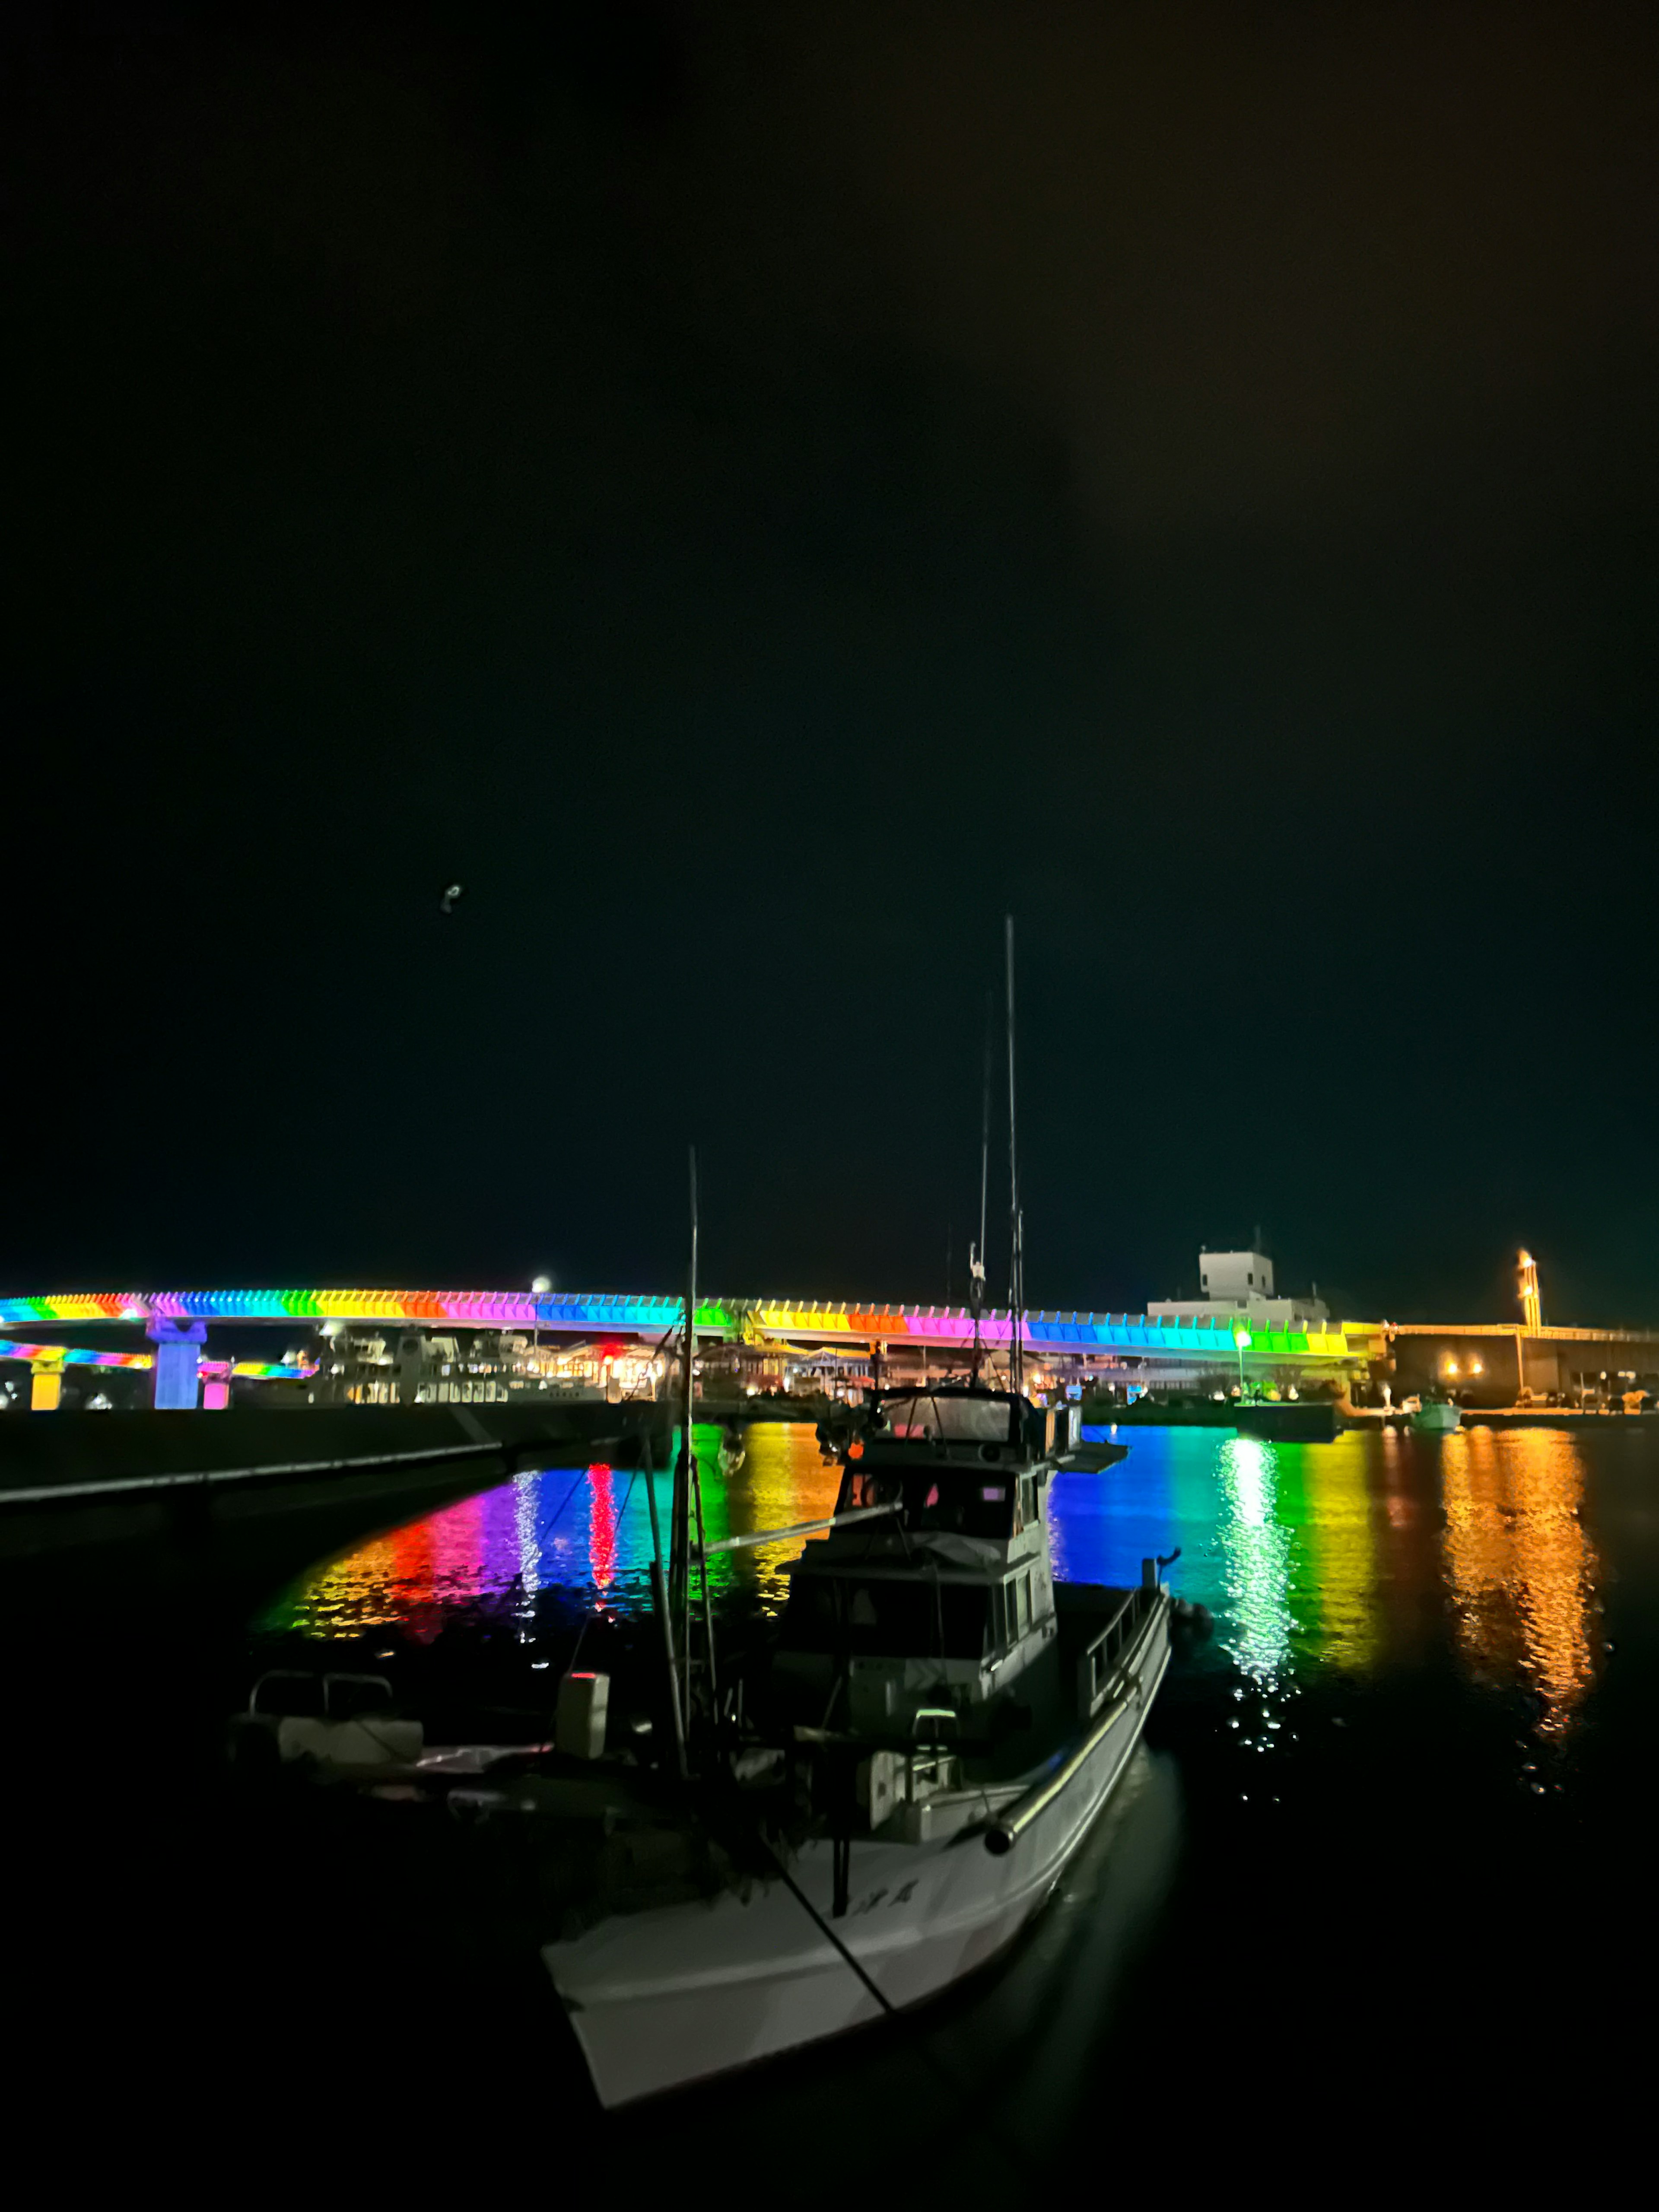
point(538, 1289)
point(1242, 1342)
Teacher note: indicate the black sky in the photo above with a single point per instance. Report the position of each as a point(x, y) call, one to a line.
point(752, 492)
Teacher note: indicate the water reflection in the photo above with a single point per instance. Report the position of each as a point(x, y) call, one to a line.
point(1305, 1554)
point(1521, 1568)
point(581, 1534)
point(1257, 1551)
point(1336, 1580)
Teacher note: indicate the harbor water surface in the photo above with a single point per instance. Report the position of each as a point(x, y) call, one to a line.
point(1383, 1857)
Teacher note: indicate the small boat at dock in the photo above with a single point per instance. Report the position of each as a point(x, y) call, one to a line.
point(939, 1728)
point(1436, 1417)
point(751, 1849)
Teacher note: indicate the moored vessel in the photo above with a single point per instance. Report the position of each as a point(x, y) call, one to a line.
point(939, 1725)
point(1437, 1416)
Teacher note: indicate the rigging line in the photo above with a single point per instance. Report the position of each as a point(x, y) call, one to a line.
point(591, 1614)
point(630, 1396)
point(568, 1495)
point(929, 2058)
point(823, 1927)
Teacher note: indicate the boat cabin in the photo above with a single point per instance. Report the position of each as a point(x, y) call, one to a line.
point(944, 1595)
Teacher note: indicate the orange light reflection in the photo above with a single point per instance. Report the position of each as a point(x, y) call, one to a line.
point(1522, 1567)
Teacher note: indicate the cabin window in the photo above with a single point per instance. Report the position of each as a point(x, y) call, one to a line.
point(1019, 1605)
point(863, 1487)
point(968, 1420)
point(946, 1498)
point(892, 1618)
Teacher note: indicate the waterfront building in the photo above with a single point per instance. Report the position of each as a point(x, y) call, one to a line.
point(374, 1367)
point(1242, 1283)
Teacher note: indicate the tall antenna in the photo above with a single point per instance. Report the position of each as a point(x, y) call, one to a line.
point(1015, 1235)
point(976, 1252)
point(985, 1132)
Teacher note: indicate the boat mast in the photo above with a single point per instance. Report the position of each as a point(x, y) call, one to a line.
point(688, 1489)
point(660, 1593)
point(976, 1253)
point(679, 1571)
point(1016, 1219)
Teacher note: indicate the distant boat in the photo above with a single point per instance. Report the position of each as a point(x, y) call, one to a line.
point(1437, 1418)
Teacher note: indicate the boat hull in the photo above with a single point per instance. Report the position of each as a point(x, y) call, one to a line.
point(660, 1998)
point(1436, 1420)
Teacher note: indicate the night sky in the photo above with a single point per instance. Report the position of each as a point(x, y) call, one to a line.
point(755, 492)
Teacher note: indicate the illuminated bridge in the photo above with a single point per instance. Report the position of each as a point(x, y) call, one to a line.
point(177, 1321)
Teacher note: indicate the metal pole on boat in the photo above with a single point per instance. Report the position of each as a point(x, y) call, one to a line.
point(1016, 1255)
point(684, 1471)
point(660, 1597)
point(976, 1255)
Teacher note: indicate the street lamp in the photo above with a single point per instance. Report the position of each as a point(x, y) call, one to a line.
point(1242, 1340)
point(538, 1289)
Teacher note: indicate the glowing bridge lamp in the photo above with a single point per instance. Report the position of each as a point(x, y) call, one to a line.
point(1242, 1342)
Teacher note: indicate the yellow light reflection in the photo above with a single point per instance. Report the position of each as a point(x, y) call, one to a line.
point(784, 1479)
point(1522, 1570)
point(1341, 1543)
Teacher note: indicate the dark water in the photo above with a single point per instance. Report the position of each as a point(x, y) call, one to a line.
point(1383, 1868)
point(1375, 1898)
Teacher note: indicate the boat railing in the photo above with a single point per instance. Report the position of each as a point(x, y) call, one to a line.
point(325, 1685)
point(933, 1763)
point(1099, 1661)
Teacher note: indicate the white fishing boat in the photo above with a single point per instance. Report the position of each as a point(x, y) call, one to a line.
point(746, 1851)
point(948, 1721)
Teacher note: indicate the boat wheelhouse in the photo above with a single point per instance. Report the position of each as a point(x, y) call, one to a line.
point(936, 1587)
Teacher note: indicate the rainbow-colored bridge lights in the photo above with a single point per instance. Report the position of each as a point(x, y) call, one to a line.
point(77, 1355)
point(755, 1321)
point(71, 1355)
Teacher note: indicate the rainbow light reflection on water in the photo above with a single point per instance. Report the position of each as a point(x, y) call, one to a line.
point(1315, 1559)
point(583, 1534)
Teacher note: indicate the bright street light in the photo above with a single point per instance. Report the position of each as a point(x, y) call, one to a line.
point(1241, 1339)
point(538, 1289)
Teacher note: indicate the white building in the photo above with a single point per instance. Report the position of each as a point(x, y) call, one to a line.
point(1241, 1283)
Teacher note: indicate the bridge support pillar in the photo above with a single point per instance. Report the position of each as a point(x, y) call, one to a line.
point(216, 1385)
point(177, 1372)
point(45, 1385)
